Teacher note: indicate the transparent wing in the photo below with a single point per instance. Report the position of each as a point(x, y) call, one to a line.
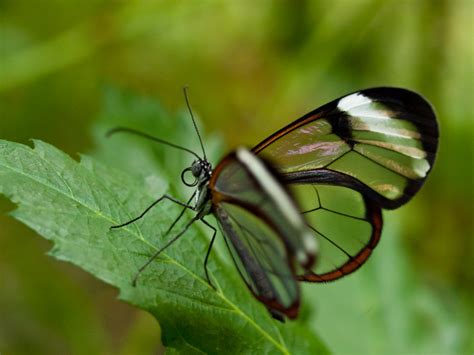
point(266, 234)
point(384, 138)
point(347, 225)
point(248, 181)
point(261, 258)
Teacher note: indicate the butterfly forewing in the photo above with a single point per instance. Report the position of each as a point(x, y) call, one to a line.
point(266, 234)
point(386, 138)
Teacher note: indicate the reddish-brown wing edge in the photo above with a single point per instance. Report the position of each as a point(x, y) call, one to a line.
point(309, 117)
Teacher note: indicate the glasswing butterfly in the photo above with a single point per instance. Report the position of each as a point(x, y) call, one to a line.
point(305, 204)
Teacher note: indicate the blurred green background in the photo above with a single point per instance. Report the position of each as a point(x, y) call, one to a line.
point(252, 67)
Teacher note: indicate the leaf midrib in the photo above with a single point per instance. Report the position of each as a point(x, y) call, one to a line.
point(140, 237)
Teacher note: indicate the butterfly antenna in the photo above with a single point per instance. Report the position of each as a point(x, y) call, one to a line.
point(185, 90)
point(152, 138)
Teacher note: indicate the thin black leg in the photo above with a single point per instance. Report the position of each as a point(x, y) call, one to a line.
point(180, 215)
point(158, 252)
point(172, 199)
point(209, 252)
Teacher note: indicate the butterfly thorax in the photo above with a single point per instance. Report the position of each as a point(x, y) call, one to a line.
point(201, 170)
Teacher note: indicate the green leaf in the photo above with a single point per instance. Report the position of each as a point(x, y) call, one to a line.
point(73, 204)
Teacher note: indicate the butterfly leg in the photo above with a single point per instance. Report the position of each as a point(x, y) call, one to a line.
point(179, 216)
point(209, 252)
point(159, 251)
point(172, 199)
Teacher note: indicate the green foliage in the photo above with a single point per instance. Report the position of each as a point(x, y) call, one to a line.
point(384, 308)
point(74, 204)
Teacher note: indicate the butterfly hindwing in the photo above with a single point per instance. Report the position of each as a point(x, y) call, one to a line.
point(264, 230)
point(261, 260)
point(346, 224)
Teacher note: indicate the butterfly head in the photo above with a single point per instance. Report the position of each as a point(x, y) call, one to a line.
point(200, 169)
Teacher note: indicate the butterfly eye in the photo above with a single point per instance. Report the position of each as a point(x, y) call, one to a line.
point(196, 168)
point(184, 179)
